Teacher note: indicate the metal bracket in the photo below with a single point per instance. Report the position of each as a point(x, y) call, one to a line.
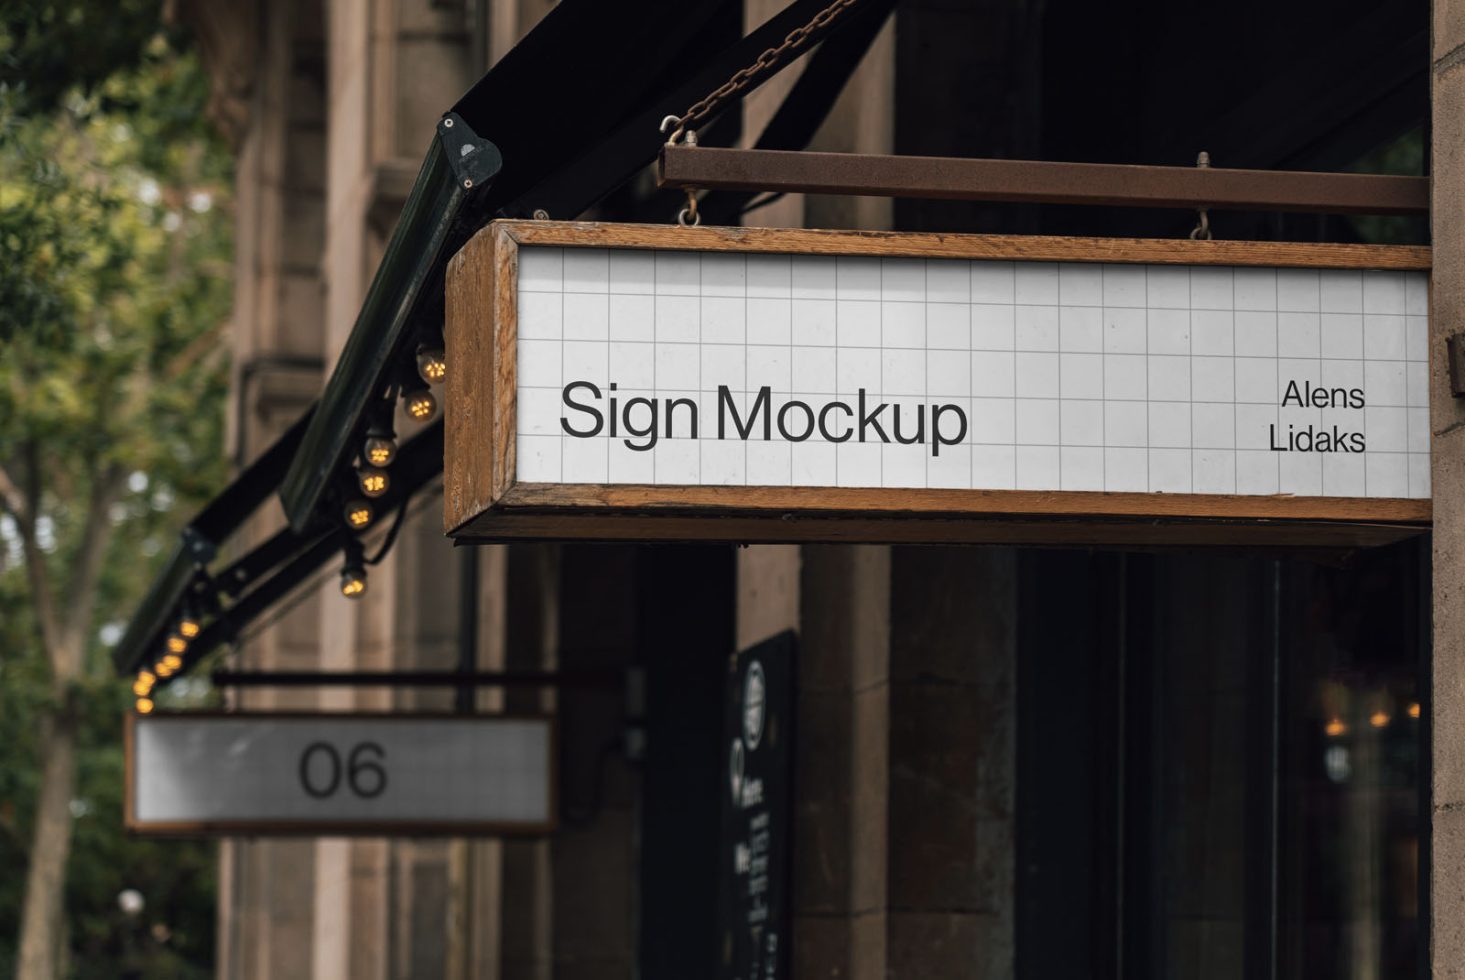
point(1039, 182)
point(419, 678)
point(1455, 355)
point(474, 160)
point(200, 548)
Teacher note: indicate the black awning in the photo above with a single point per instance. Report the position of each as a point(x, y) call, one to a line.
point(223, 600)
point(559, 123)
point(529, 135)
point(198, 545)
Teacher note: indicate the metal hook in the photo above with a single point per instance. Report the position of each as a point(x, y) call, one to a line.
point(1202, 230)
point(679, 133)
point(688, 216)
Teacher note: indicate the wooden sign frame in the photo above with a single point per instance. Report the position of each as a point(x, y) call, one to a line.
point(483, 501)
point(339, 828)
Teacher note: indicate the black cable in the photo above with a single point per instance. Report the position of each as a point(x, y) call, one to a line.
point(308, 588)
point(391, 537)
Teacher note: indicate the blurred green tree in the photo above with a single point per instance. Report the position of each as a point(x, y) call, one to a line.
point(115, 266)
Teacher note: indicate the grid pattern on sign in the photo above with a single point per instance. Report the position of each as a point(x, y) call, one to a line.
point(1072, 376)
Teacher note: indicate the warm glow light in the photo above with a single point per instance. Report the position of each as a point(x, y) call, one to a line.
point(144, 706)
point(1335, 727)
point(358, 514)
point(188, 628)
point(141, 687)
point(373, 480)
point(161, 668)
point(353, 582)
point(173, 662)
point(1378, 719)
point(421, 405)
point(379, 450)
point(431, 364)
point(176, 643)
point(1414, 710)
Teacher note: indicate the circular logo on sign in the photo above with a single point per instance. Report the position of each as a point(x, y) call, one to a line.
point(753, 708)
point(735, 770)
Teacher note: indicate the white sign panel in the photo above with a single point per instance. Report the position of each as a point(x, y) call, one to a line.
point(723, 368)
point(327, 773)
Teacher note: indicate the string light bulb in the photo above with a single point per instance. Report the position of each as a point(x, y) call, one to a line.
point(162, 669)
point(1379, 719)
point(1334, 727)
point(380, 447)
point(421, 405)
point(358, 514)
point(379, 450)
point(174, 662)
point(144, 706)
point(353, 571)
point(432, 365)
point(188, 627)
point(143, 685)
point(353, 581)
point(176, 643)
point(373, 480)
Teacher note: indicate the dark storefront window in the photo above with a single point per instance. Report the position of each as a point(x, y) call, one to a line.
point(1352, 747)
point(1219, 765)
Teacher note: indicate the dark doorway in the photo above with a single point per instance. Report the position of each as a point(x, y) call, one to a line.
point(1219, 764)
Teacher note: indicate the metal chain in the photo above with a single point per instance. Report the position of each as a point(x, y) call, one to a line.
point(769, 59)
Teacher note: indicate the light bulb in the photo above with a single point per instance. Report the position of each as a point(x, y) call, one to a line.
point(1335, 727)
point(188, 627)
point(421, 405)
point(141, 687)
point(176, 643)
point(379, 450)
point(144, 706)
point(353, 581)
point(431, 364)
point(373, 480)
point(1379, 719)
point(173, 661)
point(358, 514)
point(146, 677)
point(161, 668)
point(1414, 709)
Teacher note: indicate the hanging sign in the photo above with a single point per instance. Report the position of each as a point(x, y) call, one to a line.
point(631, 381)
point(339, 774)
point(753, 893)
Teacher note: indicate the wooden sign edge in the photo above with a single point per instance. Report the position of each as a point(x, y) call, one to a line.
point(341, 828)
point(939, 245)
point(487, 503)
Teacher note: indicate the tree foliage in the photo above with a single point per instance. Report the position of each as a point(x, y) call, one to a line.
point(50, 49)
point(115, 261)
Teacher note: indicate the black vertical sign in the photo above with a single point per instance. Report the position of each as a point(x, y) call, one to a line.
point(757, 796)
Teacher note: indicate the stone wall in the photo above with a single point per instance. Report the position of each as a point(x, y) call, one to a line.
point(1447, 448)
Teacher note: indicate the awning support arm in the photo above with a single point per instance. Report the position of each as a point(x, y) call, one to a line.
point(418, 678)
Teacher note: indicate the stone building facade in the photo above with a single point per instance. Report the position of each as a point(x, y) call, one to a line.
point(965, 715)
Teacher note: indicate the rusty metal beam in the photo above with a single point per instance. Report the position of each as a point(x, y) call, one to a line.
point(1038, 182)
